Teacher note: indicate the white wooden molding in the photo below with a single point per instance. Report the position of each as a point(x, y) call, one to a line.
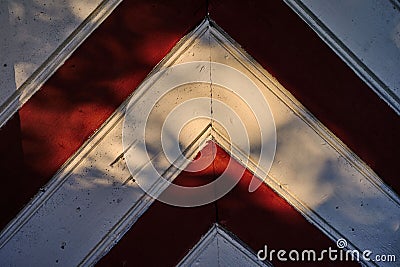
point(365, 35)
point(93, 200)
point(220, 248)
point(55, 60)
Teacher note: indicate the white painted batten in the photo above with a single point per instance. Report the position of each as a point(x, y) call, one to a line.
point(365, 34)
point(305, 148)
point(220, 248)
point(43, 65)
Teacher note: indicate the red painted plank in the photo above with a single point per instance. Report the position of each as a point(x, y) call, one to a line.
point(84, 92)
point(285, 46)
point(15, 178)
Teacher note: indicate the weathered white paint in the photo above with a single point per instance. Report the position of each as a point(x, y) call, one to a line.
point(36, 38)
point(365, 34)
point(220, 248)
point(313, 171)
point(243, 113)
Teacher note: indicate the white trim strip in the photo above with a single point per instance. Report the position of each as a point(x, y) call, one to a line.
point(55, 60)
point(374, 72)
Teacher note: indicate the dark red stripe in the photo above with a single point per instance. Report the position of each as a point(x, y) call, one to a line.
point(165, 234)
point(285, 46)
point(84, 92)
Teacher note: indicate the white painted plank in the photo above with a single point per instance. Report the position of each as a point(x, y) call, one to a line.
point(366, 34)
point(36, 37)
point(86, 205)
